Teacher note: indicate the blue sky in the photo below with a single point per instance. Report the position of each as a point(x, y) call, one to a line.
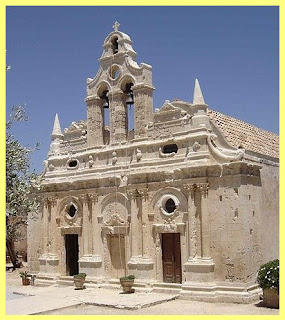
point(233, 51)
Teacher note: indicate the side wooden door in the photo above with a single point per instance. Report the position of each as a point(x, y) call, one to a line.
point(171, 258)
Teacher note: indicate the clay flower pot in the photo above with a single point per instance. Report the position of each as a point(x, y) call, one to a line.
point(270, 297)
point(79, 280)
point(127, 283)
point(25, 281)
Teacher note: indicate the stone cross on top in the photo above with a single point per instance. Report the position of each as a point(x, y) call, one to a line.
point(116, 26)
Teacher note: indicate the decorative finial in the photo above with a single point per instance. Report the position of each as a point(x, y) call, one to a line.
point(116, 26)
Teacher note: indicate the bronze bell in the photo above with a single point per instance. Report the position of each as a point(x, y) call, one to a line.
point(106, 103)
point(130, 98)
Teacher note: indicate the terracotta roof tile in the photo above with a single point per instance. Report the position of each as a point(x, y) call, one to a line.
point(239, 133)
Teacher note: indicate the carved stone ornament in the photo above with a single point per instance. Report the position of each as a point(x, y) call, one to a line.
point(115, 220)
point(196, 146)
point(139, 155)
point(222, 153)
point(114, 158)
point(90, 161)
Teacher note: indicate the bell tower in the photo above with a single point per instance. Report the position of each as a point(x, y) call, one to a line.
point(120, 84)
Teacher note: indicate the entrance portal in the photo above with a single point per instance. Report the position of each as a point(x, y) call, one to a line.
point(71, 249)
point(116, 244)
point(171, 257)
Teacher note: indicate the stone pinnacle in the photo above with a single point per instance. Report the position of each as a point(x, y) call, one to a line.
point(56, 131)
point(198, 96)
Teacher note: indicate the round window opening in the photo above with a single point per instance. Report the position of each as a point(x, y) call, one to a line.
point(72, 211)
point(170, 206)
point(114, 72)
point(72, 163)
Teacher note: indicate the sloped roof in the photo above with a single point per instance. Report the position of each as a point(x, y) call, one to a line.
point(241, 134)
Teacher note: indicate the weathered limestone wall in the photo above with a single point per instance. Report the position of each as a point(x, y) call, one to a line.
point(234, 237)
point(35, 230)
point(269, 218)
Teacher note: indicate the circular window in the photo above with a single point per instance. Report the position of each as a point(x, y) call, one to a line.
point(72, 164)
point(170, 205)
point(114, 71)
point(72, 211)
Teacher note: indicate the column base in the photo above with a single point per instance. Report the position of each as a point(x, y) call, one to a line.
point(199, 270)
point(91, 265)
point(49, 264)
point(220, 292)
point(141, 268)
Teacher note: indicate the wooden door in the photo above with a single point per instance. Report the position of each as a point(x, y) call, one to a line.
point(171, 257)
point(116, 244)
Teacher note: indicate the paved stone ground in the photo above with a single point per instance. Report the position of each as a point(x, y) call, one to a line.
point(64, 300)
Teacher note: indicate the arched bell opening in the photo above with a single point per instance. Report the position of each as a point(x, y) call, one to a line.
point(114, 45)
point(103, 94)
point(130, 117)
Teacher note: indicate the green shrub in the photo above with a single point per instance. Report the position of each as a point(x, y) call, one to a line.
point(80, 275)
point(25, 274)
point(130, 277)
point(268, 275)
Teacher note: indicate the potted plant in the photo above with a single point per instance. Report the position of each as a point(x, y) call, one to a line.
point(268, 280)
point(127, 283)
point(79, 280)
point(25, 275)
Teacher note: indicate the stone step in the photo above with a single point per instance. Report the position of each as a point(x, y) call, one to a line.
point(172, 288)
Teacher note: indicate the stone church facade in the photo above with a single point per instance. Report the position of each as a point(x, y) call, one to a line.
point(186, 199)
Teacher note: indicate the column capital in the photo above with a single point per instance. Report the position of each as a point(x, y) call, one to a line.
point(190, 188)
point(50, 200)
point(143, 192)
point(90, 99)
point(132, 194)
point(203, 188)
point(88, 197)
point(118, 93)
point(140, 87)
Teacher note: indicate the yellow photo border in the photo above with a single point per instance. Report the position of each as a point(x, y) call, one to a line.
point(5, 3)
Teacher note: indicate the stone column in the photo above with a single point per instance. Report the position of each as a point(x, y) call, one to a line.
point(192, 224)
point(95, 121)
point(199, 268)
point(143, 104)
point(49, 260)
point(136, 238)
point(205, 220)
point(118, 118)
point(45, 225)
point(86, 250)
point(146, 236)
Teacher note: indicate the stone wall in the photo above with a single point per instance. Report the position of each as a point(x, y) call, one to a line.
point(269, 219)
